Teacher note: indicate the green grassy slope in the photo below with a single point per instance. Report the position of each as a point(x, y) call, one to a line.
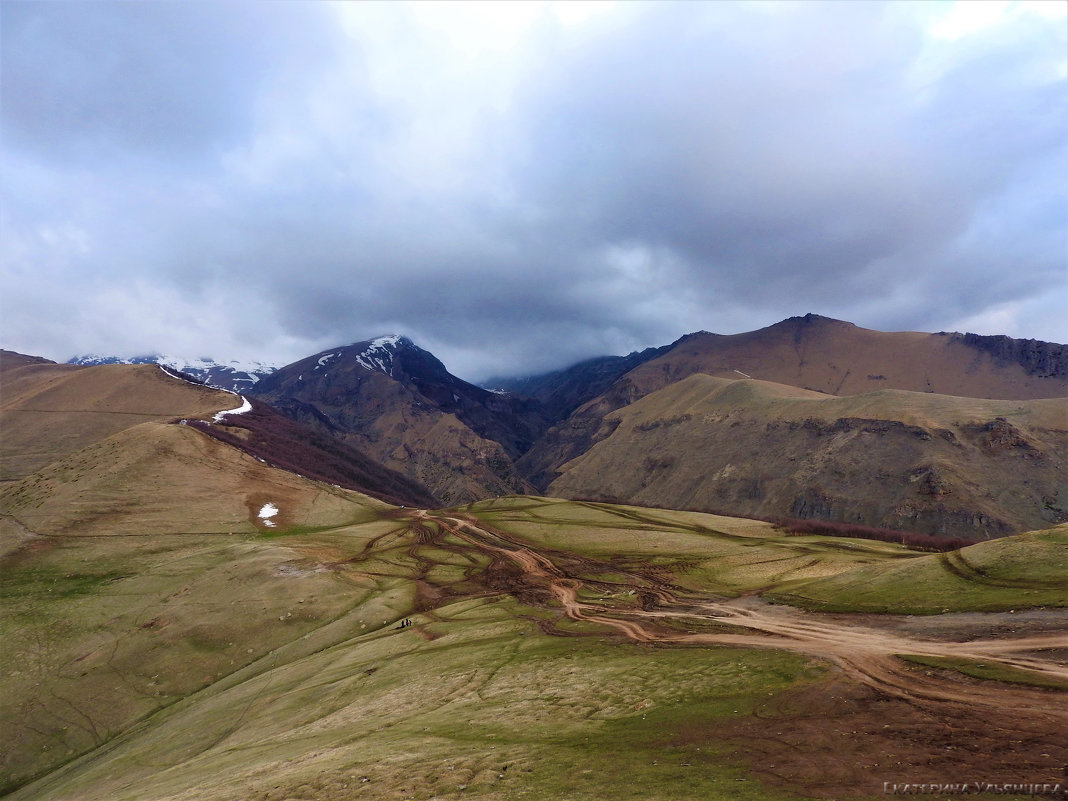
point(485, 709)
point(269, 665)
point(714, 553)
point(155, 478)
point(200, 666)
point(1019, 572)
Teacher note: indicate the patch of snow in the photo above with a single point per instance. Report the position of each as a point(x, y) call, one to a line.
point(250, 367)
point(245, 406)
point(378, 352)
point(267, 511)
point(204, 364)
point(739, 372)
point(179, 363)
point(324, 359)
point(386, 342)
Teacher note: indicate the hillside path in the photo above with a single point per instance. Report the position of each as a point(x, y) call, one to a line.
point(865, 653)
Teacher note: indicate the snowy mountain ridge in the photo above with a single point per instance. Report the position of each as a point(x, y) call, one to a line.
point(234, 375)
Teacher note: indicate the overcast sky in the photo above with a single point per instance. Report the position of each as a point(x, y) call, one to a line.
point(517, 186)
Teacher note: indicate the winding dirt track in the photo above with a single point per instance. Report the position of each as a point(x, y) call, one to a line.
point(865, 654)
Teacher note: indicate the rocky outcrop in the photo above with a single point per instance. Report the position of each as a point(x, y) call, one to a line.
point(1044, 359)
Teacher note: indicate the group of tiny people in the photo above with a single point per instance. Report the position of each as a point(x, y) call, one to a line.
point(405, 623)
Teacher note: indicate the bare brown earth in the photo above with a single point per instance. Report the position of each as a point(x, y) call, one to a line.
point(880, 716)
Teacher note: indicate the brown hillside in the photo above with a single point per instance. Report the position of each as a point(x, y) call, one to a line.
point(840, 358)
point(156, 478)
point(824, 355)
point(49, 411)
point(52, 412)
point(897, 459)
point(10, 360)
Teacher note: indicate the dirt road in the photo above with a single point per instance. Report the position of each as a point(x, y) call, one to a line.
point(867, 654)
point(927, 720)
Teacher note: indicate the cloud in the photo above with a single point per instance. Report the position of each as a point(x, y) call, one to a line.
point(517, 187)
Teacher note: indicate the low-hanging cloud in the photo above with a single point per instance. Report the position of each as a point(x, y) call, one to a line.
point(544, 193)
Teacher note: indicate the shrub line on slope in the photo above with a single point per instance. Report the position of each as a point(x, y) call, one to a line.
point(287, 445)
point(912, 540)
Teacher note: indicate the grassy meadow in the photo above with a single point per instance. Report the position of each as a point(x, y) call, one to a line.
point(269, 664)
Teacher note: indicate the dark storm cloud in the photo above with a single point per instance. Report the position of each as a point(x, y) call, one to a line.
point(271, 179)
point(782, 159)
point(105, 80)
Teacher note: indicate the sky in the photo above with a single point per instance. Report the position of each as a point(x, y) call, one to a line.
point(520, 185)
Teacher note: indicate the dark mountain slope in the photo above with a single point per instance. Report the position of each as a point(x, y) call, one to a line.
point(394, 400)
point(1037, 358)
point(286, 444)
point(562, 391)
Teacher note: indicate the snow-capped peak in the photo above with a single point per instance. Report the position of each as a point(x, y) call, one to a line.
point(378, 355)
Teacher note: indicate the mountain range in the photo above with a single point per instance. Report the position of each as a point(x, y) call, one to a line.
point(755, 423)
point(212, 595)
point(234, 376)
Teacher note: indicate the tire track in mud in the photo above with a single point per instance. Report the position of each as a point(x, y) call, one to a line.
point(867, 655)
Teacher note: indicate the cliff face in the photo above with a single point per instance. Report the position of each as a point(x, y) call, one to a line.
point(1037, 358)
